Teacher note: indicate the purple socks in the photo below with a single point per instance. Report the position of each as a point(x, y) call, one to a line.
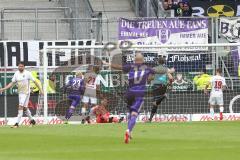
point(69, 113)
point(132, 122)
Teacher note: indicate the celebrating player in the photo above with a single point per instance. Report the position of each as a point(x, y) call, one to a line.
point(216, 96)
point(160, 84)
point(76, 89)
point(138, 74)
point(22, 78)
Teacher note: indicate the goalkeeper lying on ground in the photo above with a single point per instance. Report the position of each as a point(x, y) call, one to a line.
point(102, 114)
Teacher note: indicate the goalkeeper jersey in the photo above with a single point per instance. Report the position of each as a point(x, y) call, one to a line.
point(161, 75)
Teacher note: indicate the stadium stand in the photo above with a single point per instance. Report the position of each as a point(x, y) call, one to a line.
point(33, 19)
point(110, 10)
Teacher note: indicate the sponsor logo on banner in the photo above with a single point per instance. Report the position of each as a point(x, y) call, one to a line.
point(165, 118)
point(3, 122)
point(187, 117)
point(184, 58)
point(186, 62)
point(149, 58)
point(26, 121)
point(170, 31)
point(207, 117)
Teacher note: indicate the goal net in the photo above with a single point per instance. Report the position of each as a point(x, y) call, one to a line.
point(194, 65)
point(186, 101)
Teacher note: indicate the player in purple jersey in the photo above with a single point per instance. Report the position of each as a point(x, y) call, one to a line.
point(76, 88)
point(138, 75)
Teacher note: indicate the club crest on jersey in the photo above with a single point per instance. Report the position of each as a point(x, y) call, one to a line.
point(163, 35)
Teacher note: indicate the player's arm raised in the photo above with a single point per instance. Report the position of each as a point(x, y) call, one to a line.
point(171, 70)
point(115, 66)
point(164, 70)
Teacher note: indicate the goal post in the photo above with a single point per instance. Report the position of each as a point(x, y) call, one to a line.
point(45, 84)
point(168, 108)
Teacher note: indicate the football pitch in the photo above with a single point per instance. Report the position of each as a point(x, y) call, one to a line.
point(155, 141)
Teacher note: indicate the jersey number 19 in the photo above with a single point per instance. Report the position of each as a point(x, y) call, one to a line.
point(218, 85)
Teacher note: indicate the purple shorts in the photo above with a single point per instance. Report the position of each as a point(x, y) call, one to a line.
point(75, 100)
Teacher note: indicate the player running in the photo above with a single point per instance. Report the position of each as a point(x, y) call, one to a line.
point(138, 75)
point(216, 96)
point(76, 89)
point(22, 78)
point(160, 84)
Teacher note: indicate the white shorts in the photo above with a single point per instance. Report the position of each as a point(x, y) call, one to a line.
point(216, 101)
point(87, 99)
point(23, 99)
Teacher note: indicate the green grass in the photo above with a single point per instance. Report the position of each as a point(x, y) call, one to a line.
point(156, 141)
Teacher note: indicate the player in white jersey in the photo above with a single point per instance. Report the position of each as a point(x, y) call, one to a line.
point(22, 79)
point(218, 84)
point(92, 85)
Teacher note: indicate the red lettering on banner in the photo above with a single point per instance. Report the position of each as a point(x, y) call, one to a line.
point(232, 118)
point(39, 121)
point(175, 118)
point(205, 118)
point(3, 122)
point(25, 121)
point(55, 121)
point(225, 117)
point(167, 118)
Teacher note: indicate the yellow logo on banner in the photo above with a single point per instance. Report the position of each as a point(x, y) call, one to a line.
point(220, 10)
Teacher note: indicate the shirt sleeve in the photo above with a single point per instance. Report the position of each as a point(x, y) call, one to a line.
point(224, 82)
point(126, 67)
point(30, 77)
point(151, 71)
point(14, 79)
point(70, 81)
point(97, 80)
point(211, 80)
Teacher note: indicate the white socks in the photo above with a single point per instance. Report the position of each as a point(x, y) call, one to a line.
point(28, 113)
point(212, 112)
point(83, 110)
point(19, 116)
point(221, 109)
